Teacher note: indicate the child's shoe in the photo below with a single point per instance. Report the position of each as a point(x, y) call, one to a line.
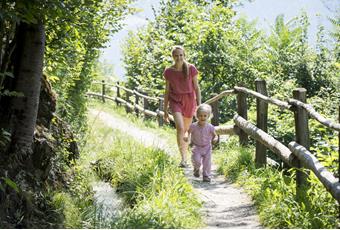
point(196, 172)
point(206, 179)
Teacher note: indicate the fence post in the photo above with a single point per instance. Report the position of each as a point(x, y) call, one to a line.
point(136, 102)
point(160, 108)
point(127, 98)
point(261, 122)
point(145, 104)
point(103, 90)
point(242, 111)
point(118, 93)
point(216, 113)
point(302, 137)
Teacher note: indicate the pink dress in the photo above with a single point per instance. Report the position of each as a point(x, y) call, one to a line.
point(182, 97)
point(201, 138)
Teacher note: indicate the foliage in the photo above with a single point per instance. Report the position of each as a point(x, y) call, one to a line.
point(75, 31)
point(78, 45)
point(215, 44)
point(5, 138)
point(274, 191)
point(229, 51)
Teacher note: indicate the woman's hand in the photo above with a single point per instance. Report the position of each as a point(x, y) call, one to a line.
point(166, 117)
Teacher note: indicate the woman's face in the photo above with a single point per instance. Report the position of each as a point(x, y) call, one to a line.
point(178, 56)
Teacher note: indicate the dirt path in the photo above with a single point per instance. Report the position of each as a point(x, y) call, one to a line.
point(224, 204)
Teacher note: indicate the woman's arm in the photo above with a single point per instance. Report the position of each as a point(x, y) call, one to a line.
point(197, 89)
point(166, 101)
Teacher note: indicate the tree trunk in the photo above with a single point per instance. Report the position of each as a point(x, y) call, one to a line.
point(28, 73)
point(18, 165)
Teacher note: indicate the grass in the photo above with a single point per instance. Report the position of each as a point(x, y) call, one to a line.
point(273, 191)
point(155, 190)
point(165, 132)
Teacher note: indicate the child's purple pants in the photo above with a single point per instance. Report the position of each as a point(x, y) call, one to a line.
point(202, 155)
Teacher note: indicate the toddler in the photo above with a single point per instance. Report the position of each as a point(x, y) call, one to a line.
point(202, 135)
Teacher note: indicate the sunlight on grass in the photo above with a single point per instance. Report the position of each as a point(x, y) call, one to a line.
point(166, 132)
point(274, 191)
point(156, 192)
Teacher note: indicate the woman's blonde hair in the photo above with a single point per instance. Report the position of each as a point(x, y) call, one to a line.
point(204, 108)
point(185, 69)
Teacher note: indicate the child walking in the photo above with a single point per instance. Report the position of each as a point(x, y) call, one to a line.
point(202, 135)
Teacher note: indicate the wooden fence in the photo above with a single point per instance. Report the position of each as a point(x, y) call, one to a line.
point(296, 154)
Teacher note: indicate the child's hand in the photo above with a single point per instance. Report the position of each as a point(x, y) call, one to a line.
point(216, 139)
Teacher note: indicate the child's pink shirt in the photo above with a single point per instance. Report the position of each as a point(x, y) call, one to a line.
point(201, 136)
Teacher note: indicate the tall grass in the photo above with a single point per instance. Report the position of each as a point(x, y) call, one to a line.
point(156, 191)
point(274, 191)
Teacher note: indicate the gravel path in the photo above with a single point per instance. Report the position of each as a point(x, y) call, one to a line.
point(224, 204)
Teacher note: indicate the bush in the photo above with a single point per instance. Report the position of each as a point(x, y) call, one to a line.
point(274, 191)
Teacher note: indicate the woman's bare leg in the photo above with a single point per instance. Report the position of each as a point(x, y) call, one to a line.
point(187, 123)
point(182, 126)
point(179, 121)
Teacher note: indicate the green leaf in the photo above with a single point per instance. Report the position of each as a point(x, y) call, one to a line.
point(11, 183)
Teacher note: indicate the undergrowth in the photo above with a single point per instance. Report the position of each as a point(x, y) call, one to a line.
point(273, 191)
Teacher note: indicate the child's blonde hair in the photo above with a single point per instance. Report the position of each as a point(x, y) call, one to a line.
point(204, 108)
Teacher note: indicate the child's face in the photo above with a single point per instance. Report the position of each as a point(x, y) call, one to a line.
point(203, 116)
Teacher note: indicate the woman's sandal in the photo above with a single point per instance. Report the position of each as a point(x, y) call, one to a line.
point(183, 165)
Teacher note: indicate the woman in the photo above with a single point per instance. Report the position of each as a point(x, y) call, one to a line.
point(183, 94)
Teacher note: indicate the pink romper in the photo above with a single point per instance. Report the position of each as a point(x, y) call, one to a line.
point(201, 138)
point(182, 97)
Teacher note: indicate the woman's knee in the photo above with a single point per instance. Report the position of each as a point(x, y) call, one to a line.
point(180, 129)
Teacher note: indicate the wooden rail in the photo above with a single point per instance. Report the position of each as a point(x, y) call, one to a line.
point(281, 104)
point(277, 147)
point(310, 110)
point(219, 96)
point(296, 154)
point(309, 160)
